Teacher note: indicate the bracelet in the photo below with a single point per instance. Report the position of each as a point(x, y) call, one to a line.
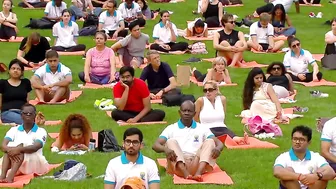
point(299, 176)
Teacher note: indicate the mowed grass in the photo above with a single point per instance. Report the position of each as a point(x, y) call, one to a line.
point(248, 168)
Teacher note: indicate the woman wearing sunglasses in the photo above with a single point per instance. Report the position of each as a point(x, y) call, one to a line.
point(210, 112)
point(282, 82)
point(297, 60)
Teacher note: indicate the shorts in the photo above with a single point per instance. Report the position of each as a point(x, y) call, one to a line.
point(264, 46)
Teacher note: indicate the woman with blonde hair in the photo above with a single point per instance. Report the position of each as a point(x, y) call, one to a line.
point(217, 73)
point(211, 110)
point(75, 134)
point(32, 50)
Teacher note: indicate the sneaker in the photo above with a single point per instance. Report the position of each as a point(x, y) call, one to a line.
point(319, 94)
point(192, 60)
point(319, 15)
point(311, 14)
point(97, 102)
point(298, 109)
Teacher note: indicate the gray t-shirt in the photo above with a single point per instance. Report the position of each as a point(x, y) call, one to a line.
point(135, 47)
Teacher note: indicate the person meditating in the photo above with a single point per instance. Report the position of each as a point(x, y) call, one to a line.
point(52, 81)
point(330, 39)
point(8, 20)
point(75, 134)
point(191, 149)
point(22, 148)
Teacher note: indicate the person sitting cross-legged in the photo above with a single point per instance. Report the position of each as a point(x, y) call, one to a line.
point(131, 164)
point(53, 10)
point(22, 148)
point(191, 149)
point(300, 168)
point(51, 81)
point(330, 39)
point(132, 99)
point(8, 21)
point(130, 12)
point(32, 3)
point(328, 142)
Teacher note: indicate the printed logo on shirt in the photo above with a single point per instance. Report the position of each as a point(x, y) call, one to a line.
point(196, 138)
point(142, 175)
point(311, 169)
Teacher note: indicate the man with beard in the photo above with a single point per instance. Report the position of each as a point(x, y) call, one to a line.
point(132, 99)
point(191, 149)
point(131, 163)
point(300, 168)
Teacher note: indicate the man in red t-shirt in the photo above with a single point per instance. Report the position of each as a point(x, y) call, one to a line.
point(131, 97)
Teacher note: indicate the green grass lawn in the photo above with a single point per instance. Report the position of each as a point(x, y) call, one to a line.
point(247, 168)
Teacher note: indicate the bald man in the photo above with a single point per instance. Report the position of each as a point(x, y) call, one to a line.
point(191, 149)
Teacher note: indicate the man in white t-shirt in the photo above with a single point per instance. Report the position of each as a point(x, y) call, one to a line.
point(191, 149)
point(52, 81)
point(262, 35)
point(269, 6)
point(53, 10)
point(328, 142)
point(300, 168)
point(131, 163)
point(131, 11)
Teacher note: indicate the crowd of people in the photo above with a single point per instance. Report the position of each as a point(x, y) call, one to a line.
point(190, 144)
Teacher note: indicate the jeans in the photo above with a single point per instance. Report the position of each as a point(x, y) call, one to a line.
point(11, 116)
point(78, 13)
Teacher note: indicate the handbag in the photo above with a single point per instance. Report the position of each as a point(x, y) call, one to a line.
point(107, 142)
point(256, 125)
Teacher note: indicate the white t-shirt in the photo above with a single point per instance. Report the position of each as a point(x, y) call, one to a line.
point(189, 139)
point(298, 64)
point(329, 134)
point(163, 33)
point(45, 74)
point(129, 13)
point(19, 136)
point(308, 165)
point(331, 34)
point(119, 169)
point(262, 33)
point(65, 34)
point(53, 11)
point(286, 3)
point(191, 26)
point(110, 22)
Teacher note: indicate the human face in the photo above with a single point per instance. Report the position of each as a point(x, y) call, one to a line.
point(127, 78)
point(264, 24)
point(187, 112)
point(258, 79)
point(15, 71)
point(219, 66)
point(53, 63)
point(278, 12)
point(136, 32)
point(58, 2)
point(230, 24)
point(299, 142)
point(276, 70)
point(132, 145)
point(110, 8)
point(6, 5)
point(100, 39)
point(199, 30)
point(333, 27)
point(165, 17)
point(295, 46)
point(209, 91)
point(76, 134)
point(66, 17)
point(141, 4)
point(28, 115)
point(155, 60)
point(129, 3)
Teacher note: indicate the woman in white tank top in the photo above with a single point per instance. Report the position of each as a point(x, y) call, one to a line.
point(8, 19)
point(210, 112)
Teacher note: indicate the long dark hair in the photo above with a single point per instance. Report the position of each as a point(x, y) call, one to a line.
point(145, 6)
point(161, 14)
point(249, 87)
point(282, 66)
point(282, 8)
point(198, 24)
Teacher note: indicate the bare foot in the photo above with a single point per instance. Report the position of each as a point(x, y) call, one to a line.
point(198, 178)
point(8, 180)
point(189, 177)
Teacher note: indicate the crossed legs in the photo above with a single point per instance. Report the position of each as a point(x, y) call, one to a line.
point(53, 96)
point(233, 58)
point(10, 163)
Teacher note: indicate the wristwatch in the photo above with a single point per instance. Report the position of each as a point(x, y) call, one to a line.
point(320, 175)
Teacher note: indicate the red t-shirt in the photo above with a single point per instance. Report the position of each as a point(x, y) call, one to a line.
point(137, 92)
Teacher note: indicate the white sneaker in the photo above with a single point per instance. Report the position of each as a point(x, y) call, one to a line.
point(319, 15)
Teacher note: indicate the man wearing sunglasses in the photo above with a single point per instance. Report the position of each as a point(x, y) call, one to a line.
point(191, 149)
point(300, 168)
point(131, 163)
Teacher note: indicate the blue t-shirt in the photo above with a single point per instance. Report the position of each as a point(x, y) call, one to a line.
point(157, 80)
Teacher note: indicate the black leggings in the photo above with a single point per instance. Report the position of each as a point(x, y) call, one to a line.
point(330, 49)
point(309, 77)
point(152, 115)
point(266, 8)
point(314, 2)
point(199, 76)
point(140, 21)
point(219, 131)
point(76, 48)
point(122, 33)
point(212, 21)
point(6, 32)
point(179, 46)
point(35, 5)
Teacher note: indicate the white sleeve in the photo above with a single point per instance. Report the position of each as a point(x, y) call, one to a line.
point(110, 177)
point(281, 160)
point(208, 133)
point(10, 135)
point(66, 71)
point(156, 32)
point(253, 29)
point(321, 161)
point(138, 8)
point(102, 17)
point(175, 30)
point(120, 18)
point(40, 72)
point(75, 32)
point(270, 30)
point(41, 136)
point(310, 57)
point(328, 132)
point(55, 30)
point(153, 173)
point(47, 8)
point(286, 61)
point(166, 133)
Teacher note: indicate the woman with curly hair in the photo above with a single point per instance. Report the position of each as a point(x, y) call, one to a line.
point(75, 134)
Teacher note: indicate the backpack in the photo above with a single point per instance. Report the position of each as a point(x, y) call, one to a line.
point(43, 23)
point(176, 99)
point(256, 125)
point(91, 20)
point(107, 142)
point(73, 171)
point(329, 62)
point(198, 48)
point(88, 31)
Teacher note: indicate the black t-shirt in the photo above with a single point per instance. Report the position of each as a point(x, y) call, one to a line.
point(231, 38)
point(281, 80)
point(14, 97)
point(157, 80)
point(37, 52)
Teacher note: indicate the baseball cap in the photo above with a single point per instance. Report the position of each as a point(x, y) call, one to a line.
point(133, 183)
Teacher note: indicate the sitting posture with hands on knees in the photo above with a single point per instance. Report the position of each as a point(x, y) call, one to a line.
point(53, 10)
point(130, 12)
point(8, 20)
point(191, 149)
point(279, 21)
point(330, 39)
point(212, 11)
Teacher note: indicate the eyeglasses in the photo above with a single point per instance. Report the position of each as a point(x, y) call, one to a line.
point(135, 143)
point(27, 113)
point(298, 140)
point(208, 90)
point(296, 45)
point(231, 22)
point(276, 68)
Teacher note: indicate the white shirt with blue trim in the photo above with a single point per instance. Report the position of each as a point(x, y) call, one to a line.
point(298, 64)
point(48, 78)
point(53, 11)
point(286, 3)
point(308, 165)
point(129, 13)
point(110, 22)
point(120, 168)
point(190, 139)
point(163, 33)
point(329, 134)
point(261, 33)
point(65, 34)
point(17, 135)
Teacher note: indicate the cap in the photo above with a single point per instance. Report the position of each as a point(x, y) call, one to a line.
point(133, 183)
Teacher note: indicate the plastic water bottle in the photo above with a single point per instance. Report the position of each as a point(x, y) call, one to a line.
point(92, 144)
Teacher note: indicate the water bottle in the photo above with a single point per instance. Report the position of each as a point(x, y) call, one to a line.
point(92, 144)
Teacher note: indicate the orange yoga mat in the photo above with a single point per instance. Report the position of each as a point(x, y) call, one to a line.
point(200, 84)
point(122, 123)
point(194, 38)
point(235, 5)
point(73, 96)
point(209, 28)
point(20, 181)
point(217, 176)
point(251, 64)
point(16, 40)
point(318, 57)
point(262, 52)
point(312, 5)
point(253, 143)
point(94, 136)
point(78, 53)
point(286, 111)
point(323, 82)
point(96, 86)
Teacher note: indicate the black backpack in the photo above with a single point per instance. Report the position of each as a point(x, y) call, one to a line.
point(91, 20)
point(107, 142)
point(43, 23)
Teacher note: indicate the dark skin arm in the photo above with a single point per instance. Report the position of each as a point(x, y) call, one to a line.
point(159, 147)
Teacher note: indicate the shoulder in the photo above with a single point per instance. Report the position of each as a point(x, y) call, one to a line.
point(41, 130)
point(139, 82)
point(64, 4)
point(306, 52)
point(113, 162)
point(199, 101)
point(223, 98)
point(103, 14)
point(2, 81)
point(25, 81)
point(74, 24)
point(330, 124)
point(329, 33)
point(146, 36)
point(165, 65)
point(49, 4)
point(284, 156)
point(316, 156)
point(149, 161)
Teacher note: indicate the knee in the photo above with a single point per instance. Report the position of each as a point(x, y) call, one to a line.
point(161, 114)
point(225, 43)
point(81, 76)
point(319, 75)
point(209, 143)
point(171, 142)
